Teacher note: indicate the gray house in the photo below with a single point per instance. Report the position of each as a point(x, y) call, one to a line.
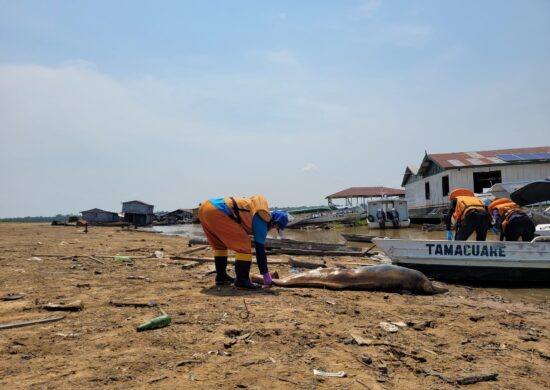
point(99, 216)
point(138, 213)
point(427, 187)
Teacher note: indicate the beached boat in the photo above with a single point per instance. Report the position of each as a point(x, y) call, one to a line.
point(536, 195)
point(358, 237)
point(526, 263)
point(543, 230)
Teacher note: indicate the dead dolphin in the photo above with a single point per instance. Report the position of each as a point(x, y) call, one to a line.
point(375, 277)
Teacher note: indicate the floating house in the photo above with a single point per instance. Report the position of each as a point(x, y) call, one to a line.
point(99, 216)
point(177, 216)
point(138, 213)
point(427, 187)
point(360, 195)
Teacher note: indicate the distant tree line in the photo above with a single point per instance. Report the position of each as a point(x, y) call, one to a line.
point(58, 217)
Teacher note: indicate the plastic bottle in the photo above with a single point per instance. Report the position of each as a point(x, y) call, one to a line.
point(123, 259)
point(157, 322)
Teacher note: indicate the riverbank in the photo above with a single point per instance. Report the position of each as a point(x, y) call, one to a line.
point(286, 333)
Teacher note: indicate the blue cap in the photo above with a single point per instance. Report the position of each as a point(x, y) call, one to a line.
point(280, 218)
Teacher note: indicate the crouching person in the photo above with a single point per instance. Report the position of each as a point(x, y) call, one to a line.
point(228, 223)
point(511, 220)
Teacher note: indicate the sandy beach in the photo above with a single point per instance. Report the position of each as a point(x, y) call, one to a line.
point(223, 338)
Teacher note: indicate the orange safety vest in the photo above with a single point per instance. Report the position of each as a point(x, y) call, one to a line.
point(496, 202)
point(244, 210)
point(465, 204)
point(505, 210)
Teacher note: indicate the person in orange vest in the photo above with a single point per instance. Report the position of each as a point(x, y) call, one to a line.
point(511, 220)
point(228, 223)
point(469, 214)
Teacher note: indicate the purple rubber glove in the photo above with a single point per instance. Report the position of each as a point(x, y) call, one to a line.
point(267, 279)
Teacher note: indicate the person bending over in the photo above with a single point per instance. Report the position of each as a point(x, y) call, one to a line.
point(469, 214)
point(228, 223)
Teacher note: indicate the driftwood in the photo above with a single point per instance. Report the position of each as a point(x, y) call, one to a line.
point(72, 306)
point(197, 241)
point(137, 278)
point(20, 324)
point(306, 252)
point(288, 244)
point(211, 260)
point(306, 264)
point(200, 248)
point(134, 304)
point(271, 243)
point(64, 256)
point(475, 378)
point(96, 260)
point(12, 297)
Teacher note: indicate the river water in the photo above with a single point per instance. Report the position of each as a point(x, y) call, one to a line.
point(334, 235)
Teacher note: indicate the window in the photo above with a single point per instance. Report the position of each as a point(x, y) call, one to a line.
point(485, 180)
point(445, 185)
point(427, 190)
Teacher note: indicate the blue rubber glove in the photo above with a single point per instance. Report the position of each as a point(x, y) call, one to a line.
point(495, 230)
point(449, 235)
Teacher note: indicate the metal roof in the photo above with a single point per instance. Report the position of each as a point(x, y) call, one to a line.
point(138, 201)
point(367, 192)
point(96, 210)
point(484, 157)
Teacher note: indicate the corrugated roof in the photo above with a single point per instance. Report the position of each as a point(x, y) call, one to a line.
point(367, 192)
point(138, 201)
point(484, 157)
point(97, 211)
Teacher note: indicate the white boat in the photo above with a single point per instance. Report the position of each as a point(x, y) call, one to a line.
point(381, 213)
point(543, 230)
point(340, 215)
point(474, 261)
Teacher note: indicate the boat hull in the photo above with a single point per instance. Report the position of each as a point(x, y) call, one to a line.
point(358, 237)
point(402, 224)
point(511, 263)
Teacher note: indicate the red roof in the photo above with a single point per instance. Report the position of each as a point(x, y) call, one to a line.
point(368, 192)
point(484, 157)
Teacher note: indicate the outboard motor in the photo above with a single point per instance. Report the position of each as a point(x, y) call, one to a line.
point(381, 217)
point(393, 216)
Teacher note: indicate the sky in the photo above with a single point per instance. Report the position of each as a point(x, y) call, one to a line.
point(175, 102)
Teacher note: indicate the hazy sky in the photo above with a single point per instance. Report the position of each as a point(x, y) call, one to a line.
point(174, 102)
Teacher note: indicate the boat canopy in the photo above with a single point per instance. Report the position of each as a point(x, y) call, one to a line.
point(534, 192)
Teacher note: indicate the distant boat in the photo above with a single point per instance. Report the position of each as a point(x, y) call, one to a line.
point(517, 263)
point(358, 237)
point(388, 213)
point(341, 215)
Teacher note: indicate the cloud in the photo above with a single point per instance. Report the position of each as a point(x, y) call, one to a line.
point(282, 57)
point(310, 167)
point(368, 8)
point(408, 35)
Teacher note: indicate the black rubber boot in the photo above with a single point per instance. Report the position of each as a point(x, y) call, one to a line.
point(222, 278)
point(242, 269)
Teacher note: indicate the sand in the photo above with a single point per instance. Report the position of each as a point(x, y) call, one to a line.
point(288, 332)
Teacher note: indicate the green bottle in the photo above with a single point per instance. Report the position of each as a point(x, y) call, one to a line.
point(157, 322)
point(123, 259)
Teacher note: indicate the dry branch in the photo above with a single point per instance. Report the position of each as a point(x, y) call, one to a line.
point(20, 324)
